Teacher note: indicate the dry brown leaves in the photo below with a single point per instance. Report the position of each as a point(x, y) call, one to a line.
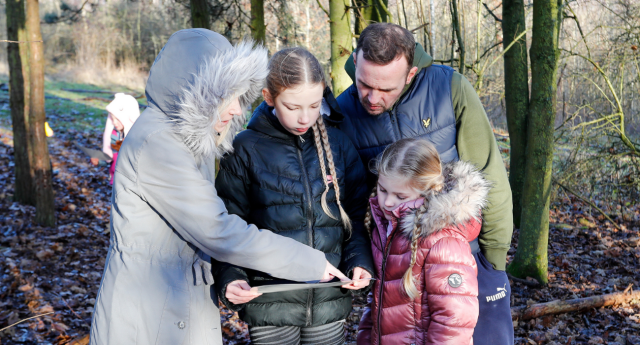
point(59, 269)
point(53, 269)
point(587, 256)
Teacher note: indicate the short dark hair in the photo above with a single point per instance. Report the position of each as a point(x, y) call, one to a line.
point(381, 43)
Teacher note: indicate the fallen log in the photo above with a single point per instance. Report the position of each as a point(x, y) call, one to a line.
point(559, 307)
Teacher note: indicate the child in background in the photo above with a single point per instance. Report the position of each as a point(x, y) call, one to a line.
point(424, 219)
point(124, 110)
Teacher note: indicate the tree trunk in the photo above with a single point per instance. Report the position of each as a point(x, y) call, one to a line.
point(516, 86)
point(380, 11)
point(531, 257)
point(18, 56)
point(43, 189)
point(455, 18)
point(432, 9)
point(286, 22)
point(479, 29)
point(258, 33)
point(369, 11)
point(200, 17)
point(341, 44)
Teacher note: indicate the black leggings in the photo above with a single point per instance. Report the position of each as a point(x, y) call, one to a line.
point(329, 334)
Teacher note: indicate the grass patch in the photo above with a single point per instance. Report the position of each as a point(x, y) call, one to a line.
point(76, 110)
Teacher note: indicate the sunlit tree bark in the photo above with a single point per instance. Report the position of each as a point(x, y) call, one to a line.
point(341, 44)
point(41, 164)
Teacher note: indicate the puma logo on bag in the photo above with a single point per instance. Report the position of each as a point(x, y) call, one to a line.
point(502, 293)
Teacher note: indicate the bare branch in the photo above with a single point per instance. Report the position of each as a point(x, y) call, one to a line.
point(323, 9)
point(21, 321)
point(7, 41)
point(588, 202)
point(419, 27)
point(491, 13)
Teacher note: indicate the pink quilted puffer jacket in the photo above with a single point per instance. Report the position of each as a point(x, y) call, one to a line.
point(446, 311)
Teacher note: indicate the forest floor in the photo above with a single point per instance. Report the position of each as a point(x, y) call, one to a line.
point(58, 270)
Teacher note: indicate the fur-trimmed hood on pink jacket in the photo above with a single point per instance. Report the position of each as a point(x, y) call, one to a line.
point(445, 273)
point(127, 110)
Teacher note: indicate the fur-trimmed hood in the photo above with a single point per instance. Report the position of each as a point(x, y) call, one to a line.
point(463, 197)
point(195, 76)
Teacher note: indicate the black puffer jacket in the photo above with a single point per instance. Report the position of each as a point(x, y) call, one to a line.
point(273, 179)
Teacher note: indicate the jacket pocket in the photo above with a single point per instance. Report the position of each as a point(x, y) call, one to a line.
point(174, 322)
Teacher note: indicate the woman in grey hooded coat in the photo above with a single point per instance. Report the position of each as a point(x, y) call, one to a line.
point(166, 218)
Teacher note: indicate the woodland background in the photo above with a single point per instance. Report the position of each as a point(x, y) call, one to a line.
point(580, 239)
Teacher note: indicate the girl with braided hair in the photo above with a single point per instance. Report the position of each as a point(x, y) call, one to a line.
point(423, 219)
point(294, 173)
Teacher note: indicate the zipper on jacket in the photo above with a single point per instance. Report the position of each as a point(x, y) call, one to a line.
point(384, 264)
point(309, 214)
point(394, 124)
point(393, 113)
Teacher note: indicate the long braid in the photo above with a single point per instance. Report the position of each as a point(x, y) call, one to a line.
point(368, 217)
point(327, 148)
point(323, 168)
point(415, 161)
point(408, 280)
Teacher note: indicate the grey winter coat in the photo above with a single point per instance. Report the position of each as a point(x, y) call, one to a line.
point(167, 220)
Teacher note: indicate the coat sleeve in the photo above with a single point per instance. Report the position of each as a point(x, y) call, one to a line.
point(366, 324)
point(168, 179)
point(451, 281)
point(477, 144)
point(356, 250)
point(232, 185)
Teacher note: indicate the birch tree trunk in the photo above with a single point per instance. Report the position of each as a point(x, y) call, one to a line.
point(531, 256)
point(200, 17)
point(18, 56)
point(308, 27)
point(516, 86)
point(43, 189)
point(340, 44)
point(433, 28)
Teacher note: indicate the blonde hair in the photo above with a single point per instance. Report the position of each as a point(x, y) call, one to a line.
point(295, 66)
point(417, 162)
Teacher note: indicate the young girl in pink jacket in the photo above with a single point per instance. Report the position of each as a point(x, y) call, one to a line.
point(424, 220)
point(124, 110)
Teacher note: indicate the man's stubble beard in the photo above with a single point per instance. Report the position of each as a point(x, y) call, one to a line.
point(364, 104)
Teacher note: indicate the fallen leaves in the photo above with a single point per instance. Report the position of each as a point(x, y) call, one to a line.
point(58, 270)
point(44, 254)
point(587, 257)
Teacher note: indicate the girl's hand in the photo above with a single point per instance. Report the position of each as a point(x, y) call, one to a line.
point(239, 292)
point(358, 273)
